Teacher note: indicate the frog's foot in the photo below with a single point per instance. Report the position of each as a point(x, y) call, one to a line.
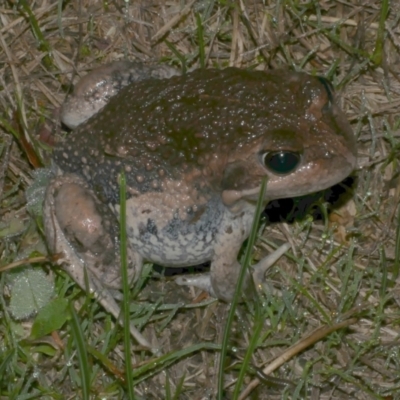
point(201, 281)
point(84, 250)
point(259, 270)
point(224, 288)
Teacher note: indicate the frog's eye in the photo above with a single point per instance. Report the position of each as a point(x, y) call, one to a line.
point(328, 87)
point(281, 162)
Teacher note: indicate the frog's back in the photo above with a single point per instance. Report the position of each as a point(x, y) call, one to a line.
point(191, 127)
point(162, 128)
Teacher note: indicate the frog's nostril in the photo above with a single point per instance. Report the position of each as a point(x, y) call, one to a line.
point(281, 162)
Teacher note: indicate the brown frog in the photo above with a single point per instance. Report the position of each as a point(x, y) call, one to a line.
point(194, 150)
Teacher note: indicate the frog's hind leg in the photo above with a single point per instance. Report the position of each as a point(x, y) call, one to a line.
point(75, 228)
point(96, 88)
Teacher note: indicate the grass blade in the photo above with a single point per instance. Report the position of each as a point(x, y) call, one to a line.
point(83, 359)
point(239, 284)
point(125, 287)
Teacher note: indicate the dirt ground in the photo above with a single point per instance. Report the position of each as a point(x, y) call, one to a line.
point(327, 324)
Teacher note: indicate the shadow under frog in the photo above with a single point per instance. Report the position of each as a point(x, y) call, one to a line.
point(194, 150)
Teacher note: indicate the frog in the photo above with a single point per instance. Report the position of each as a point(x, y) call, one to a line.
point(194, 149)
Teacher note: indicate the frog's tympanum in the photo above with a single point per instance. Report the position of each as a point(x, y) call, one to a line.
point(194, 150)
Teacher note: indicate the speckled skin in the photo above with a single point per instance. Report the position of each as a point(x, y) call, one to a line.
point(194, 150)
point(94, 90)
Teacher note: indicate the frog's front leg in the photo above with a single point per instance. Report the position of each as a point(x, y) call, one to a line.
point(222, 282)
point(83, 230)
point(225, 272)
point(225, 268)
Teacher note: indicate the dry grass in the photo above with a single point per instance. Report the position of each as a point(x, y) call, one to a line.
point(346, 267)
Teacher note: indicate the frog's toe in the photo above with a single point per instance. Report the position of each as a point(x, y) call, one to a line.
point(201, 281)
point(267, 262)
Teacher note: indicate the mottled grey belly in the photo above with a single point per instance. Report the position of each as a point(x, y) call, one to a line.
point(178, 241)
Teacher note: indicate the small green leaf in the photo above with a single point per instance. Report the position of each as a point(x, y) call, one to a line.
point(50, 318)
point(30, 291)
point(35, 192)
point(45, 349)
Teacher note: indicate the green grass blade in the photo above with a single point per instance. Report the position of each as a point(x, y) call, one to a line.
point(83, 359)
point(259, 323)
point(125, 287)
point(43, 44)
point(159, 364)
point(200, 38)
point(238, 290)
point(377, 56)
point(396, 264)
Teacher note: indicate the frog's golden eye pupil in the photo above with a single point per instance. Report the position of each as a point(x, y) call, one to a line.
point(281, 162)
